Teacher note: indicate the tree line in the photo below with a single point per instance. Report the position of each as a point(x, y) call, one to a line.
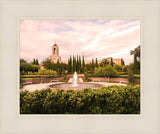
point(28, 67)
point(77, 63)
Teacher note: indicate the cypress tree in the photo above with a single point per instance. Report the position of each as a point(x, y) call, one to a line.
point(34, 62)
point(122, 61)
point(135, 65)
point(83, 65)
point(130, 74)
point(111, 62)
point(70, 64)
point(96, 63)
point(69, 67)
point(79, 64)
point(74, 63)
point(37, 62)
point(92, 64)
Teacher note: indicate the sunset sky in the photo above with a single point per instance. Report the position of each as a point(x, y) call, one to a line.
point(91, 38)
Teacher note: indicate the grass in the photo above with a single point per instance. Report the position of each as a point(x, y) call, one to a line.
point(29, 78)
point(137, 76)
point(63, 81)
point(39, 76)
point(126, 76)
point(89, 80)
point(112, 82)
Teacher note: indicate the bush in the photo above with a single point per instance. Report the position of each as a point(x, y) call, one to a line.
point(38, 76)
point(118, 68)
point(86, 76)
point(28, 67)
point(107, 71)
point(46, 72)
point(32, 73)
point(105, 100)
point(21, 80)
point(138, 76)
point(130, 76)
point(63, 80)
point(122, 73)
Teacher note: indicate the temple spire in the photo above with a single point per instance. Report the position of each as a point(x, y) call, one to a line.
point(55, 41)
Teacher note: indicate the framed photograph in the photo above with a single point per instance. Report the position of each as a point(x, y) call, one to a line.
point(80, 66)
point(100, 77)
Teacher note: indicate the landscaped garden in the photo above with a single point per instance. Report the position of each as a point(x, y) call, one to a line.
point(106, 99)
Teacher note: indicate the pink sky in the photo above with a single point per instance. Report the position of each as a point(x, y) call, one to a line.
point(91, 38)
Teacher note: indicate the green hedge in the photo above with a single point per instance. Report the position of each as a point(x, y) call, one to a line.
point(105, 100)
point(38, 76)
point(119, 75)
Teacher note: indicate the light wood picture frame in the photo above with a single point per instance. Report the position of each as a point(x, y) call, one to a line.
point(146, 11)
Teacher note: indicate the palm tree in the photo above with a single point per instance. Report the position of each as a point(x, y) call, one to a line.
point(136, 63)
point(136, 51)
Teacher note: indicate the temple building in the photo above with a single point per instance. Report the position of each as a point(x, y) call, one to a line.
point(55, 54)
point(55, 57)
point(116, 61)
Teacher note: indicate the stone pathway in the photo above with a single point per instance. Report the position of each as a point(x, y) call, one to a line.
point(109, 84)
point(34, 87)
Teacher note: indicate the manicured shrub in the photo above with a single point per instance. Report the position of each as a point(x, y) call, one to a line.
point(46, 72)
point(130, 76)
point(86, 76)
point(105, 100)
point(106, 71)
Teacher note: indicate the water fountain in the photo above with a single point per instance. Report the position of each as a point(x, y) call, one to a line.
point(74, 84)
point(75, 79)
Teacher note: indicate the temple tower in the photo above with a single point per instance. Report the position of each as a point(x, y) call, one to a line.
point(55, 54)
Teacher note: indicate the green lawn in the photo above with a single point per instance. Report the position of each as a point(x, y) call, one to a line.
point(125, 76)
point(29, 78)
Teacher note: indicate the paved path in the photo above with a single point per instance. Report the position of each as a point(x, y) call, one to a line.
point(34, 87)
point(109, 84)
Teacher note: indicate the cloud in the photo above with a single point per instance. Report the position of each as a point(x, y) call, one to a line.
point(124, 31)
point(91, 38)
point(97, 38)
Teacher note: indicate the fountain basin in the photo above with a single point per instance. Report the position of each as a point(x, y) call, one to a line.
point(80, 86)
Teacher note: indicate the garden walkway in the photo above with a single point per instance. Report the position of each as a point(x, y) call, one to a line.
point(34, 87)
